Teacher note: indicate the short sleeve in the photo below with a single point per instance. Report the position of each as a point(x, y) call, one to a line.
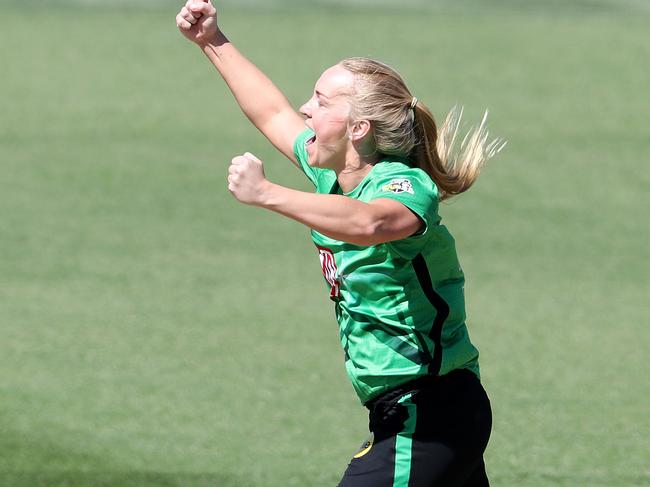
point(415, 190)
point(300, 151)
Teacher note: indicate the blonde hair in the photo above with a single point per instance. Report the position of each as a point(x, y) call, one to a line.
point(403, 126)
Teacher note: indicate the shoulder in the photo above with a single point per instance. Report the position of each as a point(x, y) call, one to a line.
point(411, 186)
point(396, 176)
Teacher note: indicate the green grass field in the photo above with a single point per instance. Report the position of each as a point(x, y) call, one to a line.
point(153, 332)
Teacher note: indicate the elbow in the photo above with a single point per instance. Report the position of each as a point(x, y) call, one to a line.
point(375, 231)
point(368, 233)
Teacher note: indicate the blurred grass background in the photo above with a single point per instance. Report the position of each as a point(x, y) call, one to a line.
point(154, 332)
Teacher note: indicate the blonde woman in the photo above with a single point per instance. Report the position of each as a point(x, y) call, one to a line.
point(380, 168)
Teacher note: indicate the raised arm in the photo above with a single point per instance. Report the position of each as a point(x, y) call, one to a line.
point(260, 100)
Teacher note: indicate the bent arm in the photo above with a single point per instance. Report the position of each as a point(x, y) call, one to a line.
point(344, 218)
point(260, 100)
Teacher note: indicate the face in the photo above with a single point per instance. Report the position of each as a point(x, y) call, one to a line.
point(327, 113)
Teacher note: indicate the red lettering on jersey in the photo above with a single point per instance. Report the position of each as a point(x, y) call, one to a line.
point(330, 272)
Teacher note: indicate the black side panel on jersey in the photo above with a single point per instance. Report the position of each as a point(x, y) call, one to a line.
point(441, 307)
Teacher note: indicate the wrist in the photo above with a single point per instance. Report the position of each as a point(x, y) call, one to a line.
point(213, 42)
point(268, 194)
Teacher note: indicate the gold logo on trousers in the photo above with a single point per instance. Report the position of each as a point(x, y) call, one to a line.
point(365, 448)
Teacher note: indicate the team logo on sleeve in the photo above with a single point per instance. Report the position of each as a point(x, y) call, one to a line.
point(401, 185)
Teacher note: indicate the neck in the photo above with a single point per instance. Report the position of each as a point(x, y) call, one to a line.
point(353, 173)
point(350, 179)
point(359, 161)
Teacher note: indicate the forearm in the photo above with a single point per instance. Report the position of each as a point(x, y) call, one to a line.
point(258, 97)
point(339, 217)
point(336, 216)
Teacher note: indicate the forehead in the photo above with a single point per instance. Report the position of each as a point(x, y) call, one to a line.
point(335, 81)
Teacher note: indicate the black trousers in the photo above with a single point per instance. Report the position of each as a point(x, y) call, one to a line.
point(431, 432)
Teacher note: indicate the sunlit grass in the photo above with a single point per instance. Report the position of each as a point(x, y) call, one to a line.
point(154, 332)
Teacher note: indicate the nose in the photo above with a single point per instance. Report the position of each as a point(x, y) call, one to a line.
point(305, 109)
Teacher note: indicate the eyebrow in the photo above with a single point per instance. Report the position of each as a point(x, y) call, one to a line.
point(318, 93)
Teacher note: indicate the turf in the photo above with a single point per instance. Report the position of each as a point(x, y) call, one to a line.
point(154, 332)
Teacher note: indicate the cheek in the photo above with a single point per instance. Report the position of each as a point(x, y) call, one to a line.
point(332, 119)
point(332, 128)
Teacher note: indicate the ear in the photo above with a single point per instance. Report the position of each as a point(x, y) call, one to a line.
point(359, 130)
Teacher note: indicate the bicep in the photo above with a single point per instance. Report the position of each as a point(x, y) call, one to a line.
point(282, 129)
point(395, 221)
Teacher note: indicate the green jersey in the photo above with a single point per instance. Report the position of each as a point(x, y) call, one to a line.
point(400, 305)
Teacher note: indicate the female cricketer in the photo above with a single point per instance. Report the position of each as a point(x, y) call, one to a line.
point(380, 167)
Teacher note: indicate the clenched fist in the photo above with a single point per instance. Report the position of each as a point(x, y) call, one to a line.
point(197, 21)
point(246, 180)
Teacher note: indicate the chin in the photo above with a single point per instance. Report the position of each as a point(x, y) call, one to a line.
point(314, 161)
point(322, 159)
point(320, 164)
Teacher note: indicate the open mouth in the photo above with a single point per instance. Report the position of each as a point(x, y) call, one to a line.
point(310, 140)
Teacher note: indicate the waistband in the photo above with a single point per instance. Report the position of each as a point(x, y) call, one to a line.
point(428, 382)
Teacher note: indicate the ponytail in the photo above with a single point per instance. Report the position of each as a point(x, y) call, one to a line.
point(453, 170)
point(403, 126)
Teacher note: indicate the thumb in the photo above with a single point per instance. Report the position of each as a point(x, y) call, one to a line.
point(251, 157)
